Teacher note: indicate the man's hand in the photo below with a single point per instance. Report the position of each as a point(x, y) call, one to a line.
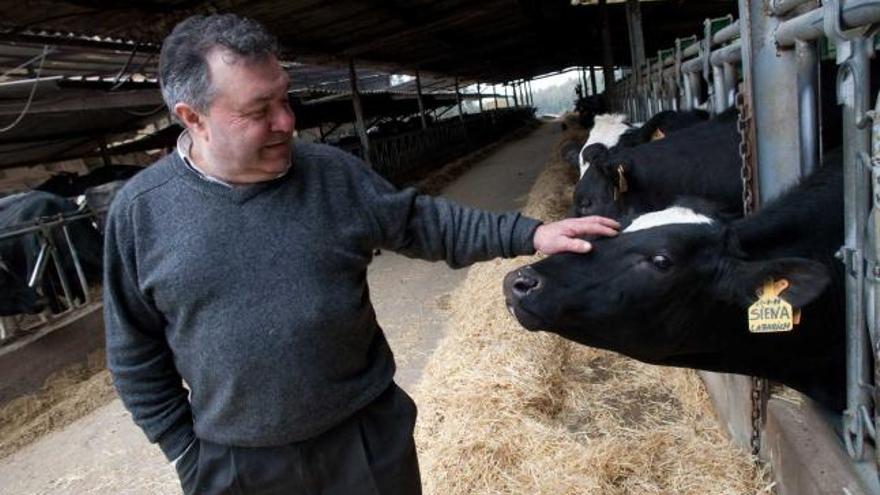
point(563, 236)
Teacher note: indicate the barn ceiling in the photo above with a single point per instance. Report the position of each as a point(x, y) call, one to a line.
point(486, 40)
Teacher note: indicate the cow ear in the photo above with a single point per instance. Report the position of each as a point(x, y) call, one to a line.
point(807, 280)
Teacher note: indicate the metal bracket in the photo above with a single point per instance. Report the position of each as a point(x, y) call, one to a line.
point(851, 258)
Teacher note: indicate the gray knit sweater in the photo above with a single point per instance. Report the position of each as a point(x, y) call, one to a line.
point(257, 296)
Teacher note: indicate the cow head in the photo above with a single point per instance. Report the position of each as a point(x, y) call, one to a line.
point(607, 130)
point(602, 188)
point(674, 283)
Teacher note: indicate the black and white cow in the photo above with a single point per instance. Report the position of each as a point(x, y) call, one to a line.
point(15, 295)
point(613, 131)
point(20, 253)
point(673, 288)
point(701, 160)
point(71, 185)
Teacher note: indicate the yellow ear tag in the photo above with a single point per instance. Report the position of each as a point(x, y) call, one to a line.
point(622, 185)
point(657, 135)
point(770, 313)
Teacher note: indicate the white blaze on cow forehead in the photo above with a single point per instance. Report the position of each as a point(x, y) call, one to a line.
point(669, 216)
point(607, 129)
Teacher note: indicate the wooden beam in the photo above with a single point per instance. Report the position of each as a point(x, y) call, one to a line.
point(421, 103)
point(84, 102)
point(359, 113)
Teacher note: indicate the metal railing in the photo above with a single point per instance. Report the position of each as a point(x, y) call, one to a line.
point(49, 231)
point(773, 48)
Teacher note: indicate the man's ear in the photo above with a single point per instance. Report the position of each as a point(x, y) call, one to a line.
point(190, 118)
point(807, 280)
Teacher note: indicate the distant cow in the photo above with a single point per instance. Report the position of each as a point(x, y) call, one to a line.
point(20, 252)
point(71, 185)
point(613, 131)
point(701, 160)
point(674, 288)
point(15, 295)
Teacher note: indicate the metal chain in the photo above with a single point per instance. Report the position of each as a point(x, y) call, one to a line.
point(759, 385)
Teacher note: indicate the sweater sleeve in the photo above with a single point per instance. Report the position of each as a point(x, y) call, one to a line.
point(434, 228)
point(138, 355)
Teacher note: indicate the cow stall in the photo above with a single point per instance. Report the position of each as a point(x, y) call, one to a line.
point(802, 80)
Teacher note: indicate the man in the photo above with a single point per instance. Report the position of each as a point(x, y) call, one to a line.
point(238, 264)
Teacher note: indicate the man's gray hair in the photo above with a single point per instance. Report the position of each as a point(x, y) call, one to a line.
point(184, 75)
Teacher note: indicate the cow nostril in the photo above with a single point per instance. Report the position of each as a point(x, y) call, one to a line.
point(584, 208)
point(524, 284)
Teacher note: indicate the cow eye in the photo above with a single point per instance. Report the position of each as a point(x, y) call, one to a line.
point(662, 262)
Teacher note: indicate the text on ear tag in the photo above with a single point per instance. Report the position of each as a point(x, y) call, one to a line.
point(770, 313)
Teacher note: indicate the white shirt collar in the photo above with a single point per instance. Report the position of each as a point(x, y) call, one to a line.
point(184, 145)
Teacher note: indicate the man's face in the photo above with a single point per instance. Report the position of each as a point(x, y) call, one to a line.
point(249, 124)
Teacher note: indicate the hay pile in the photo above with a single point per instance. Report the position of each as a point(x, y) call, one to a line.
point(68, 395)
point(507, 411)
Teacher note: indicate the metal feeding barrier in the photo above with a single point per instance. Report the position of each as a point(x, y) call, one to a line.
point(774, 49)
point(49, 231)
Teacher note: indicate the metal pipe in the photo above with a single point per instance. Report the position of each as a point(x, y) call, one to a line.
point(808, 111)
point(80, 274)
point(59, 268)
point(729, 54)
point(782, 7)
point(719, 97)
point(727, 33)
point(421, 103)
point(636, 39)
point(730, 82)
point(607, 56)
point(810, 26)
point(852, 88)
point(359, 113)
point(765, 71)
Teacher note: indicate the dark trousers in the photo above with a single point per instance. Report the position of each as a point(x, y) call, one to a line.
point(370, 453)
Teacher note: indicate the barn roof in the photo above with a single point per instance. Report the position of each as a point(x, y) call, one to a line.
point(487, 40)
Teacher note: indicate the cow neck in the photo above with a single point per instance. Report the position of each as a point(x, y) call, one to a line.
point(235, 194)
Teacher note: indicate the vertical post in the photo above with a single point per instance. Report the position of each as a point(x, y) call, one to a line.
point(808, 101)
point(607, 56)
point(765, 70)
point(480, 98)
point(593, 80)
point(515, 97)
point(421, 103)
point(583, 74)
point(506, 87)
point(636, 42)
point(495, 95)
point(359, 113)
point(852, 93)
point(458, 100)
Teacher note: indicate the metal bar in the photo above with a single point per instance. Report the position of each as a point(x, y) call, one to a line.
point(421, 103)
point(728, 54)
point(479, 98)
point(782, 7)
point(607, 56)
point(730, 82)
point(852, 88)
point(810, 26)
point(593, 80)
point(808, 110)
point(39, 265)
point(765, 71)
point(727, 33)
point(636, 39)
point(80, 274)
point(59, 268)
point(358, 113)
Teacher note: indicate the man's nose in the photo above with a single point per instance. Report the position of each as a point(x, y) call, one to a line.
point(284, 121)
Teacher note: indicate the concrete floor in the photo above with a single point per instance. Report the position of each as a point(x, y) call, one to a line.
point(105, 453)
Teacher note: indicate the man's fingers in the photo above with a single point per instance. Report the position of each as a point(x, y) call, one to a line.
point(608, 222)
